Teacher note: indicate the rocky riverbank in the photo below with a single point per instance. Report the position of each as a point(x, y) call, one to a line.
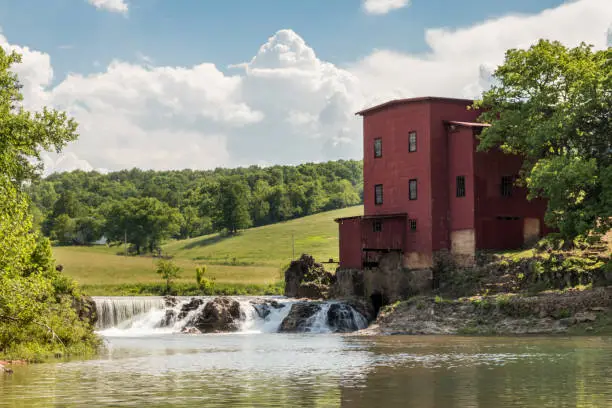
point(571, 312)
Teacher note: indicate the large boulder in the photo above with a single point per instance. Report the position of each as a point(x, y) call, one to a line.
point(298, 319)
point(313, 290)
point(190, 306)
point(86, 309)
point(221, 314)
point(303, 272)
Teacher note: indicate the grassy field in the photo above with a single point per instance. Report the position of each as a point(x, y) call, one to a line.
point(253, 259)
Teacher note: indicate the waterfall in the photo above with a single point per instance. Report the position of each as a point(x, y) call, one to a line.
point(117, 311)
point(147, 315)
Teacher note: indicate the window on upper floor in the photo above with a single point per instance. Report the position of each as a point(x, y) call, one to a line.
point(506, 186)
point(377, 147)
point(377, 226)
point(412, 189)
point(412, 142)
point(413, 224)
point(460, 186)
point(378, 194)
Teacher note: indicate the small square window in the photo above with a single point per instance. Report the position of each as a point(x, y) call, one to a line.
point(378, 194)
point(377, 226)
point(412, 189)
point(378, 147)
point(412, 142)
point(506, 186)
point(460, 186)
point(412, 223)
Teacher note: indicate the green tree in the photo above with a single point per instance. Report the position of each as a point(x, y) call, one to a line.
point(87, 230)
point(551, 105)
point(205, 284)
point(168, 271)
point(36, 313)
point(63, 230)
point(145, 222)
point(234, 195)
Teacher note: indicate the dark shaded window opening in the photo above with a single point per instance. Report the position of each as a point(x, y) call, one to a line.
point(413, 224)
point(412, 189)
point(460, 186)
point(507, 218)
point(412, 142)
point(378, 194)
point(506, 186)
point(378, 148)
point(377, 226)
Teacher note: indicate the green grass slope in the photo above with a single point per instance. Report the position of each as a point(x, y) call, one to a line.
point(270, 245)
point(254, 257)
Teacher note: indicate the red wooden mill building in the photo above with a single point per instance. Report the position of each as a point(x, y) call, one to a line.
point(426, 188)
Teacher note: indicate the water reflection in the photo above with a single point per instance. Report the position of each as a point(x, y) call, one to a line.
point(325, 370)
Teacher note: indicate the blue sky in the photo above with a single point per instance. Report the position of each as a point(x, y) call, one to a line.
point(186, 32)
point(150, 84)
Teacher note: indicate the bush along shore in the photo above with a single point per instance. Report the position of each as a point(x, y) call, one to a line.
point(532, 292)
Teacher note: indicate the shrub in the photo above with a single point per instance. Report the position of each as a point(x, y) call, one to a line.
point(168, 271)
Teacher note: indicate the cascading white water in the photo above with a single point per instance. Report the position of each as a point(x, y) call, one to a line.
point(118, 311)
point(146, 315)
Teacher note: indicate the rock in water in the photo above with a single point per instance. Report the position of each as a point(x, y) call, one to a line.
point(168, 319)
point(312, 290)
point(341, 318)
point(306, 278)
point(264, 307)
point(170, 301)
point(86, 309)
point(222, 314)
point(298, 318)
point(190, 306)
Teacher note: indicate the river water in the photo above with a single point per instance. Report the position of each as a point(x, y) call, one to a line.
point(148, 366)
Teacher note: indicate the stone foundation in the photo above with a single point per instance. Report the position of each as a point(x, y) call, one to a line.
point(463, 246)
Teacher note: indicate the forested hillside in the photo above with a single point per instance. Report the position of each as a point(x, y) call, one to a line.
point(148, 207)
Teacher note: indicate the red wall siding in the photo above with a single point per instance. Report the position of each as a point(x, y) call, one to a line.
point(442, 111)
point(350, 243)
point(397, 166)
point(461, 163)
point(494, 233)
point(391, 236)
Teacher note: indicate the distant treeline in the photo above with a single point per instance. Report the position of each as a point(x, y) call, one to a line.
point(147, 207)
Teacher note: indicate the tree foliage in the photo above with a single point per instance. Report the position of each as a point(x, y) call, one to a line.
point(80, 207)
point(552, 105)
point(36, 301)
point(169, 271)
point(145, 222)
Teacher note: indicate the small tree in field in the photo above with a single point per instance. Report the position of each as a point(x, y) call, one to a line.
point(168, 271)
point(205, 284)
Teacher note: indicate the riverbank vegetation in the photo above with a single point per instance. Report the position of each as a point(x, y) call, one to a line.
point(251, 262)
point(42, 312)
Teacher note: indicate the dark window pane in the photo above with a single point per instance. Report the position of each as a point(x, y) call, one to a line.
point(377, 226)
point(378, 194)
point(412, 189)
point(460, 186)
point(506, 186)
point(413, 224)
point(378, 147)
point(412, 142)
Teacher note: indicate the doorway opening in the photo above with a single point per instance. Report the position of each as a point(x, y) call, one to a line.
point(378, 302)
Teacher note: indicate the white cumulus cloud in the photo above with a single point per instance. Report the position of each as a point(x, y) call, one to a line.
point(383, 6)
point(285, 105)
point(114, 6)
